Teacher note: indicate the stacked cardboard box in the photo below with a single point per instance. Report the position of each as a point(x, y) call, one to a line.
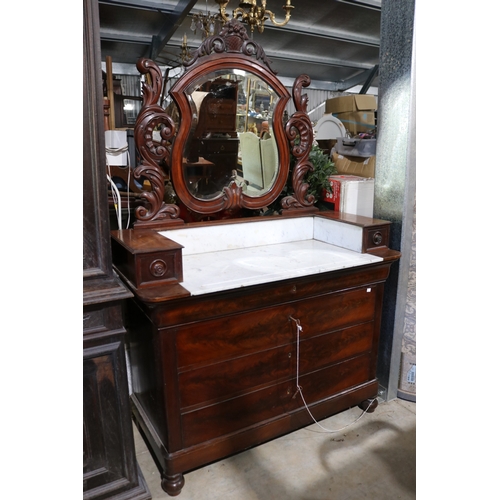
point(351, 194)
point(354, 165)
point(355, 111)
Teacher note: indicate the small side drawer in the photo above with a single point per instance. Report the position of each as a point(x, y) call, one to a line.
point(145, 266)
point(375, 237)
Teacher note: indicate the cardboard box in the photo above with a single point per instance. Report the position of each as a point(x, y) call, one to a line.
point(351, 104)
point(408, 374)
point(355, 111)
point(351, 194)
point(348, 146)
point(355, 123)
point(354, 165)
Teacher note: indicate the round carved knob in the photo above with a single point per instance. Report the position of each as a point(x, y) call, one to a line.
point(377, 238)
point(158, 268)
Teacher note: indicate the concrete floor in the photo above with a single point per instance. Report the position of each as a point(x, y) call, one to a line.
point(374, 458)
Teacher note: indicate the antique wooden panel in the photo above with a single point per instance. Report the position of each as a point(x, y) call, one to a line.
point(110, 470)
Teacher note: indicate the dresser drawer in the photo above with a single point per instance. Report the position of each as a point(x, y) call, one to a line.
point(234, 336)
point(318, 352)
point(250, 409)
point(236, 413)
point(242, 334)
point(222, 380)
point(219, 146)
point(336, 310)
point(331, 380)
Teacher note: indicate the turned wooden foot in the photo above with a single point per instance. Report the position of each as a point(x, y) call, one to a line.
point(172, 484)
point(371, 404)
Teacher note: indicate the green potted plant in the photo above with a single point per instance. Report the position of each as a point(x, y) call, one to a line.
point(317, 179)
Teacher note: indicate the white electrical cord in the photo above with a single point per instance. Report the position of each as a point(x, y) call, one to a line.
point(116, 152)
point(116, 200)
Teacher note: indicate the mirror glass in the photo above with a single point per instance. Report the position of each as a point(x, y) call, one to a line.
point(231, 135)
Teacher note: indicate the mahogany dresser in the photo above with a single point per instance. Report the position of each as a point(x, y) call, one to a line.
point(221, 340)
point(242, 329)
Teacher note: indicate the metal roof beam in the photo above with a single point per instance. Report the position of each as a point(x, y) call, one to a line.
point(329, 35)
point(170, 26)
point(369, 80)
point(301, 58)
point(367, 4)
point(361, 79)
point(156, 6)
point(108, 36)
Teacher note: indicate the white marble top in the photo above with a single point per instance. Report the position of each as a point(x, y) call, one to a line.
point(226, 257)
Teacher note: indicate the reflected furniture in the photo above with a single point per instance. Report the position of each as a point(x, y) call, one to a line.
point(251, 162)
point(244, 329)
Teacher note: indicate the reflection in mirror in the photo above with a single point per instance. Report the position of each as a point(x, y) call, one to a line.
point(231, 136)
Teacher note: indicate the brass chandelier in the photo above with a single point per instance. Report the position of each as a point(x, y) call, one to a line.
point(185, 53)
point(206, 22)
point(253, 14)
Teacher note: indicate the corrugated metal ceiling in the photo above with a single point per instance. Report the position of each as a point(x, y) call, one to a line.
point(335, 42)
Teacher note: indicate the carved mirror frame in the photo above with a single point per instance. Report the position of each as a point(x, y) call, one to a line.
point(230, 49)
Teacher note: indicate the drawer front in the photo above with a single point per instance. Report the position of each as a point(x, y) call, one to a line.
point(222, 380)
point(233, 336)
point(324, 350)
point(255, 407)
point(333, 379)
point(338, 310)
point(220, 146)
point(236, 413)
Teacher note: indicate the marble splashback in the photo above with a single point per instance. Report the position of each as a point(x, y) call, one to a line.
point(203, 239)
point(225, 257)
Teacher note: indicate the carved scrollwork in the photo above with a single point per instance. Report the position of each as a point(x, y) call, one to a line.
point(153, 117)
point(300, 134)
point(155, 208)
point(232, 196)
point(232, 38)
point(172, 146)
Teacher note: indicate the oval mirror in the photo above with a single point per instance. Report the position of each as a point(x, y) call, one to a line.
point(226, 147)
point(231, 137)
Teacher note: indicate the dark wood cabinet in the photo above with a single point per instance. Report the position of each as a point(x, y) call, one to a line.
point(223, 154)
point(110, 469)
point(109, 465)
point(217, 373)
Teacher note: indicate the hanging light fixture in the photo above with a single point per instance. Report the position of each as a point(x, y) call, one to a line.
point(185, 54)
point(206, 22)
point(255, 15)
